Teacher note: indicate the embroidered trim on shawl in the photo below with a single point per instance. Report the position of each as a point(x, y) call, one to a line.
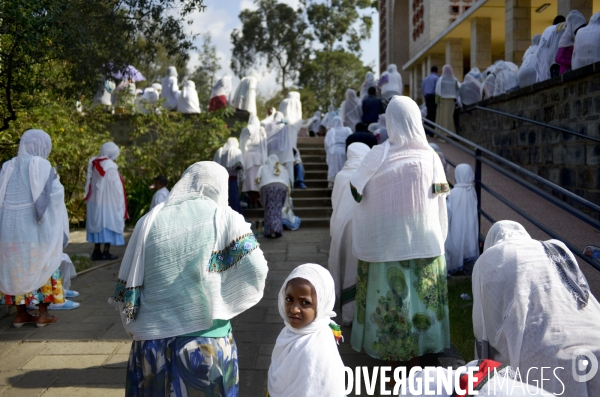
point(129, 296)
point(439, 188)
point(228, 257)
point(357, 197)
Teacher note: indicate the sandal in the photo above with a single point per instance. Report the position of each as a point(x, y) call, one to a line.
point(32, 320)
point(42, 322)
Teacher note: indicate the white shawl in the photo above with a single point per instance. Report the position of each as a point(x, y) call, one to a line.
point(527, 73)
point(327, 121)
point(547, 51)
point(253, 143)
point(245, 95)
point(188, 101)
point(391, 82)
point(222, 87)
point(306, 362)
point(291, 108)
point(575, 20)
point(335, 145)
point(447, 86)
point(230, 155)
point(279, 139)
point(586, 49)
point(352, 110)
point(273, 172)
point(170, 89)
point(369, 82)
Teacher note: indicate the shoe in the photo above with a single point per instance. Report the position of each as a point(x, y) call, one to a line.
point(32, 307)
point(68, 305)
point(71, 294)
point(97, 256)
point(33, 320)
point(300, 185)
point(107, 256)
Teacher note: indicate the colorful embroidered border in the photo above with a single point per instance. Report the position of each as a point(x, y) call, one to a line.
point(439, 188)
point(228, 257)
point(337, 332)
point(129, 296)
point(357, 197)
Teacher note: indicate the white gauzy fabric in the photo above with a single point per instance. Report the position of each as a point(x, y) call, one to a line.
point(547, 50)
point(106, 93)
point(188, 101)
point(369, 82)
point(279, 140)
point(392, 82)
point(447, 85)
point(506, 78)
point(335, 146)
point(253, 143)
point(159, 197)
point(314, 122)
point(327, 121)
point(306, 362)
point(476, 73)
point(169, 256)
point(575, 20)
point(586, 49)
point(222, 87)
point(352, 110)
point(342, 264)
point(470, 90)
point(381, 133)
point(67, 271)
point(527, 302)
point(34, 226)
point(527, 73)
point(489, 86)
point(147, 101)
point(463, 227)
point(105, 195)
point(273, 172)
point(373, 127)
point(269, 118)
point(395, 186)
point(170, 89)
point(245, 95)
point(291, 108)
point(230, 155)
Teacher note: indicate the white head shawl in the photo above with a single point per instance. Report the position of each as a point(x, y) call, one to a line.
point(222, 87)
point(273, 172)
point(587, 50)
point(575, 20)
point(390, 167)
point(527, 74)
point(470, 90)
point(328, 119)
point(546, 54)
point(171, 71)
point(369, 82)
point(489, 86)
point(291, 107)
point(221, 273)
point(463, 227)
point(391, 82)
point(332, 138)
point(315, 122)
point(188, 101)
point(352, 110)
point(311, 351)
point(532, 303)
point(447, 85)
point(253, 143)
point(170, 89)
point(476, 73)
point(230, 155)
point(245, 95)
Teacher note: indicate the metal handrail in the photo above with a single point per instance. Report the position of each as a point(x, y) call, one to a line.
point(479, 185)
point(591, 138)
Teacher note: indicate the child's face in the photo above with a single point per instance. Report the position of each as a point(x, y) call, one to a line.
point(300, 303)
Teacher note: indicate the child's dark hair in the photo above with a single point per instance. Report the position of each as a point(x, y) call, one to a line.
point(161, 179)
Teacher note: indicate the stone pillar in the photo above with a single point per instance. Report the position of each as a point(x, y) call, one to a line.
point(518, 30)
point(454, 57)
point(412, 84)
point(481, 43)
point(583, 6)
point(418, 79)
point(438, 60)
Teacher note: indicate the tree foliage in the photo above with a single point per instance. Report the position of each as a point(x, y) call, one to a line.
point(205, 74)
point(275, 34)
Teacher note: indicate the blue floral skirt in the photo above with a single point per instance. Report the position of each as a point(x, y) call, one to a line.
point(183, 366)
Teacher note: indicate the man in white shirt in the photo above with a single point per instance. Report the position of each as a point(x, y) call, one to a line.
point(160, 185)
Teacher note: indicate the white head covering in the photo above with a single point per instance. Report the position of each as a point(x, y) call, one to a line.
point(34, 225)
point(335, 145)
point(253, 143)
point(476, 73)
point(311, 351)
point(291, 107)
point(170, 89)
point(506, 78)
point(171, 71)
point(328, 119)
point(245, 95)
point(369, 82)
point(533, 305)
point(188, 101)
point(279, 138)
point(527, 73)
point(587, 50)
point(352, 110)
point(395, 229)
point(314, 122)
point(149, 98)
point(269, 118)
point(463, 227)
point(381, 133)
point(230, 155)
point(390, 82)
point(205, 283)
point(575, 20)
point(470, 90)
point(222, 87)
point(273, 172)
point(489, 86)
point(546, 53)
point(447, 86)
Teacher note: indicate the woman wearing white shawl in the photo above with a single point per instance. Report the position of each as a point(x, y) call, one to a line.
point(279, 142)
point(335, 146)
point(313, 124)
point(527, 73)
point(390, 83)
point(106, 202)
point(270, 117)
point(106, 93)
point(274, 183)
point(230, 157)
point(328, 119)
point(253, 143)
point(462, 243)
point(342, 262)
point(306, 361)
point(532, 307)
point(146, 103)
point(192, 264)
point(170, 89)
point(506, 78)
point(398, 234)
point(219, 93)
point(488, 87)
point(188, 102)
point(470, 90)
point(564, 54)
point(351, 112)
point(446, 97)
point(381, 133)
point(291, 108)
point(547, 50)
point(586, 49)
point(369, 82)
point(34, 229)
point(245, 95)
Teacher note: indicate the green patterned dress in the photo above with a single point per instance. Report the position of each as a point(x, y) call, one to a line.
point(401, 309)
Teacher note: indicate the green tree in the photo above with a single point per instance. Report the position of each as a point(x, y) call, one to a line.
point(275, 34)
point(330, 74)
point(154, 65)
point(91, 37)
point(340, 22)
point(205, 74)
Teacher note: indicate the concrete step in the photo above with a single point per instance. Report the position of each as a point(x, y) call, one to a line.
point(315, 166)
point(311, 202)
point(307, 142)
point(308, 212)
point(317, 183)
point(311, 193)
point(312, 152)
point(306, 222)
point(315, 174)
point(313, 158)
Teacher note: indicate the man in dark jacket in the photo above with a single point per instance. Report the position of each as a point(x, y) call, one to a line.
point(371, 107)
point(363, 135)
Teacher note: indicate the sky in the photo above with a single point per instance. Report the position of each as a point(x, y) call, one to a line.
point(220, 18)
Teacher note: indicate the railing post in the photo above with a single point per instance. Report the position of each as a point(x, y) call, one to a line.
point(478, 186)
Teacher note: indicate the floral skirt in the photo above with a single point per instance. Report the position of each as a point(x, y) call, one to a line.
point(274, 200)
point(51, 292)
point(401, 309)
point(183, 366)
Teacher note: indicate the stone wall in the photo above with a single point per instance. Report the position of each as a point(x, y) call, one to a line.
point(571, 101)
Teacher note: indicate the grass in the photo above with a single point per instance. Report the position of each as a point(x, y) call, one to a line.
point(81, 262)
point(461, 320)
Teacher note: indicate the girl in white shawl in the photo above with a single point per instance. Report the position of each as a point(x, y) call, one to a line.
point(398, 234)
point(106, 202)
point(447, 97)
point(527, 73)
point(532, 308)
point(351, 112)
point(245, 95)
point(335, 146)
point(253, 143)
point(170, 89)
point(219, 93)
point(188, 101)
point(305, 360)
point(34, 229)
point(274, 183)
point(279, 142)
point(369, 82)
point(230, 157)
point(462, 243)
point(291, 108)
point(586, 49)
point(342, 262)
point(390, 82)
point(192, 264)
